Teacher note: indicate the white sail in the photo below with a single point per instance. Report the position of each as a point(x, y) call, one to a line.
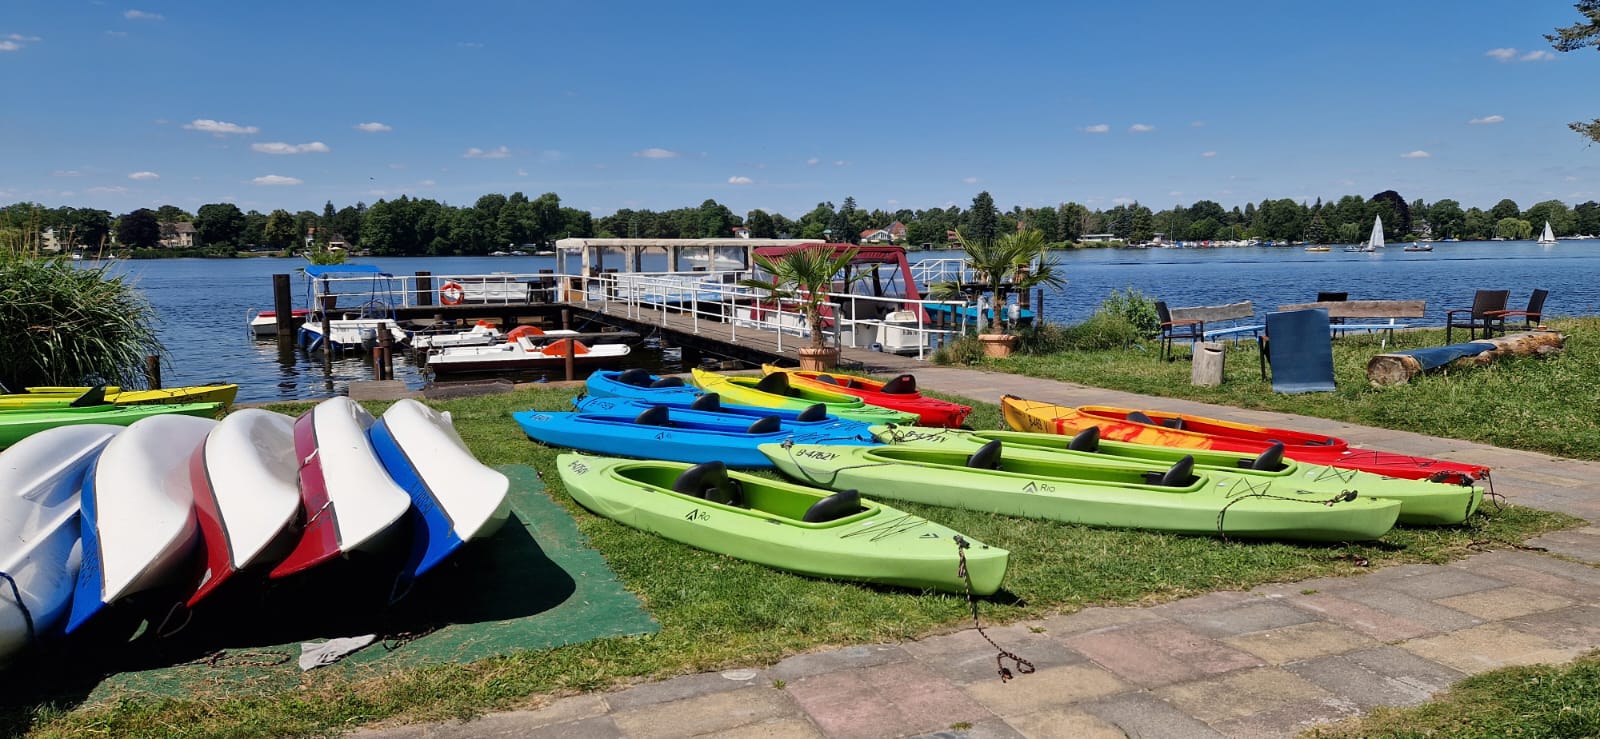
point(1376, 240)
point(1549, 236)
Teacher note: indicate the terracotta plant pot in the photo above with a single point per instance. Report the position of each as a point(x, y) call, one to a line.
point(813, 359)
point(998, 346)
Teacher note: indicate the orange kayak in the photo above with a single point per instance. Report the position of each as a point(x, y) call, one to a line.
point(1199, 432)
point(900, 394)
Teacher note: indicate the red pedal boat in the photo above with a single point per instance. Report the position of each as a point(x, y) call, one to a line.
point(899, 394)
point(1198, 432)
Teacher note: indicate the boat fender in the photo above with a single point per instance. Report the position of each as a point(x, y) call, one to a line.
point(452, 293)
point(834, 507)
point(1140, 417)
point(1087, 440)
point(710, 402)
point(1181, 475)
point(987, 457)
point(637, 377)
point(1270, 460)
point(813, 413)
point(1173, 423)
point(668, 382)
point(766, 425)
point(902, 385)
point(776, 383)
point(655, 415)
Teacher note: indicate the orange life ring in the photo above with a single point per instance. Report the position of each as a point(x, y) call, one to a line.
point(452, 293)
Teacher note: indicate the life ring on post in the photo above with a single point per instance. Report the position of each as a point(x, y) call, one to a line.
point(452, 293)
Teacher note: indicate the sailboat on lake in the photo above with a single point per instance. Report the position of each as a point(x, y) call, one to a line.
point(1373, 242)
point(1549, 236)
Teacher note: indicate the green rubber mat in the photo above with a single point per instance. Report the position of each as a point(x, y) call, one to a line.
point(536, 584)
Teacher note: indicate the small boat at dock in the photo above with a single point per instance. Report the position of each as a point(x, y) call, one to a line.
point(524, 354)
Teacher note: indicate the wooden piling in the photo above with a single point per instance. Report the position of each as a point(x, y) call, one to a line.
point(424, 287)
point(572, 349)
point(385, 349)
point(152, 371)
point(283, 305)
point(566, 319)
point(329, 302)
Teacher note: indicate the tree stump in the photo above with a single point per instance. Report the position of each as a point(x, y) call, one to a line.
point(1397, 368)
point(1207, 365)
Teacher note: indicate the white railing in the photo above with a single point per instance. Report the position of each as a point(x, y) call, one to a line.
point(930, 272)
point(716, 303)
point(406, 291)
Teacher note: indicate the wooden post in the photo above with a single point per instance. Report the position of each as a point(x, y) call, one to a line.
point(424, 287)
point(328, 303)
point(572, 348)
point(383, 369)
point(283, 305)
point(1208, 361)
point(152, 371)
point(566, 319)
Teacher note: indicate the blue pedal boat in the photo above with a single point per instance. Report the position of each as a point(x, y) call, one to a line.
point(663, 432)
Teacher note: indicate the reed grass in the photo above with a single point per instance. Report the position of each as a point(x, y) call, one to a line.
point(62, 324)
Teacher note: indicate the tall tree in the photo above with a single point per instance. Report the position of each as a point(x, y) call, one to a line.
point(1504, 209)
point(1447, 219)
point(219, 224)
point(1586, 219)
point(983, 220)
point(1400, 224)
point(172, 214)
point(1071, 220)
point(139, 229)
point(761, 225)
point(280, 231)
point(1577, 36)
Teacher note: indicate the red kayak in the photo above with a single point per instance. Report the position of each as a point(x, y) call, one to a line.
point(1199, 432)
point(898, 394)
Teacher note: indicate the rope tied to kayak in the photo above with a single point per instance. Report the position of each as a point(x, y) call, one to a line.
point(16, 594)
point(1343, 496)
point(1023, 666)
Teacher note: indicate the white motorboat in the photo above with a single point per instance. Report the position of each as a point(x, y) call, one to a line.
point(40, 479)
point(522, 353)
point(349, 333)
point(482, 333)
point(138, 512)
point(457, 497)
point(347, 497)
point(245, 479)
point(264, 324)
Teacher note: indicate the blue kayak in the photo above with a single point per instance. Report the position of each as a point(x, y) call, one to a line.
point(712, 403)
point(662, 432)
point(639, 384)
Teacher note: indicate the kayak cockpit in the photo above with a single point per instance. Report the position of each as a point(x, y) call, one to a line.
point(711, 483)
point(1179, 478)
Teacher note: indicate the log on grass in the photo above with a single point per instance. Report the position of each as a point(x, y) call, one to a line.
point(1397, 368)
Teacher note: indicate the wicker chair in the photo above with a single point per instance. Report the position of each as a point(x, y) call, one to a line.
point(1482, 316)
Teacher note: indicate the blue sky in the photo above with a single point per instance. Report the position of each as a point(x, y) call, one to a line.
point(782, 105)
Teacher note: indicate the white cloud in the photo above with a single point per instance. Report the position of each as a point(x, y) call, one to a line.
point(6, 45)
point(426, 183)
point(470, 44)
point(113, 190)
point(1141, 128)
point(1570, 178)
point(145, 175)
point(66, 173)
point(1197, 124)
point(656, 153)
point(16, 41)
point(278, 147)
point(522, 172)
point(374, 127)
point(140, 15)
point(813, 161)
point(499, 152)
point(740, 180)
point(1175, 193)
point(1097, 128)
point(1537, 56)
point(841, 163)
point(892, 201)
point(1487, 119)
point(970, 180)
point(1208, 154)
point(276, 179)
point(1123, 201)
point(116, 34)
point(1504, 55)
point(1418, 154)
point(22, 38)
point(218, 127)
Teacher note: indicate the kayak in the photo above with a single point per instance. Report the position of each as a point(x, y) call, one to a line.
point(781, 525)
point(1421, 502)
point(661, 432)
point(1180, 499)
point(774, 391)
point(639, 384)
point(18, 424)
point(816, 413)
point(62, 397)
point(39, 483)
point(456, 497)
point(1199, 432)
point(899, 393)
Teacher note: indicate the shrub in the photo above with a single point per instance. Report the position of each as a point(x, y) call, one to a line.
point(965, 349)
point(65, 325)
point(1138, 309)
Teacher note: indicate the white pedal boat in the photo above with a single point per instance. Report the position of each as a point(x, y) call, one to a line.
point(523, 354)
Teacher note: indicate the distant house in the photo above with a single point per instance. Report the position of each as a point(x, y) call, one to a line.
point(177, 235)
point(49, 241)
point(1090, 238)
point(740, 232)
point(875, 236)
point(897, 231)
point(337, 241)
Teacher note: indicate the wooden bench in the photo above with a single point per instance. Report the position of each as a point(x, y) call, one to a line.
point(1230, 314)
point(1370, 311)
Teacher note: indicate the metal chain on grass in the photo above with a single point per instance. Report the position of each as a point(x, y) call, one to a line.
point(223, 658)
point(16, 593)
point(1023, 666)
point(398, 639)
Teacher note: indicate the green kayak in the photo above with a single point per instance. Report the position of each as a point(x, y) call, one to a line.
point(1422, 503)
point(1179, 499)
point(15, 425)
point(774, 391)
point(779, 524)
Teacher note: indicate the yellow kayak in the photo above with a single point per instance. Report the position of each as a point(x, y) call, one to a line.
point(38, 398)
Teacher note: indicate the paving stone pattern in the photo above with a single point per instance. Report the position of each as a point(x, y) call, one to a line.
point(1273, 661)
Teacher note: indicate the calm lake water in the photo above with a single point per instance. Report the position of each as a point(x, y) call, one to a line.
point(202, 304)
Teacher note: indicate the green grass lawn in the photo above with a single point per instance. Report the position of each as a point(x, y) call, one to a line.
point(717, 612)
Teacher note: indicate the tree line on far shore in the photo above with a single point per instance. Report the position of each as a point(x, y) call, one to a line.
point(495, 222)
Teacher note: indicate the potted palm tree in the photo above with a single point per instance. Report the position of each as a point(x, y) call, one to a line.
point(1015, 261)
point(806, 276)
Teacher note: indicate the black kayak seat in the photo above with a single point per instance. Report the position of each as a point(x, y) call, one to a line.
point(901, 385)
point(776, 383)
point(833, 507)
point(710, 481)
point(93, 396)
point(828, 379)
point(1181, 475)
point(812, 413)
point(766, 425)
point(655, 415)
point(710, 403)
point(1087, 440)
point(987, 457)
point(1173, 423)
point(637, 377)
point(1270, 460)
point(1140, 417)
point(668, 382)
